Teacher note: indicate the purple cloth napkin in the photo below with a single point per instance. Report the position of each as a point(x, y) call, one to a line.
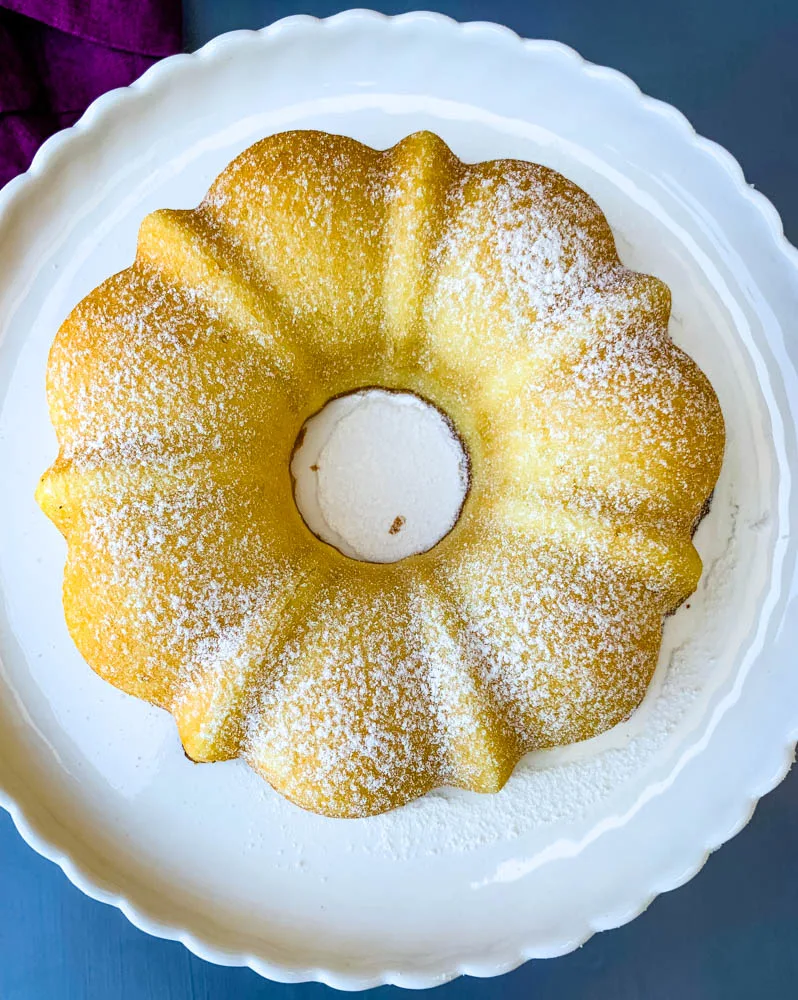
point(56, 56)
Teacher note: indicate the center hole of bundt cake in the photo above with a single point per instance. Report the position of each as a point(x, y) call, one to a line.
point(381, 475)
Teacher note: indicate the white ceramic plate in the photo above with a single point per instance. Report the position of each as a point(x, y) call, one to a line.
point(579, 840)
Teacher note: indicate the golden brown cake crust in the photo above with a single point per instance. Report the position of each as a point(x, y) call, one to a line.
point(315, 266)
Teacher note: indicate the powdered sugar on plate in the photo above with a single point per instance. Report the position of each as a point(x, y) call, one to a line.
point(561, 787)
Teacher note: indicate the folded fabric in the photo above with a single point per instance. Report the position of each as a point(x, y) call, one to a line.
point(57, 56)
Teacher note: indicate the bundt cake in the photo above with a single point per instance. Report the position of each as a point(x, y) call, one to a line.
point(316, 266)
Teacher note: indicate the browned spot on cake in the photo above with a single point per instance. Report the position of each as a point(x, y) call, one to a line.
point(314, 468)
point(398, 524)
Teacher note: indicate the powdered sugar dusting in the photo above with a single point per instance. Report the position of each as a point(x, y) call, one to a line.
point(317, 266)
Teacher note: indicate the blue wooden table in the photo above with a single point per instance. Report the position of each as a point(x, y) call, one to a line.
point(732, 932)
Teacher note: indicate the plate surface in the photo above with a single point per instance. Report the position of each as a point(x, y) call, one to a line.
point(580, 840)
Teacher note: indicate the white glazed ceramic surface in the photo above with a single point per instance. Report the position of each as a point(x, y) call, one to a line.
point(580, 840)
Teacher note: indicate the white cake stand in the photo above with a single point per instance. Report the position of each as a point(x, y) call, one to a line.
point(579, 840)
